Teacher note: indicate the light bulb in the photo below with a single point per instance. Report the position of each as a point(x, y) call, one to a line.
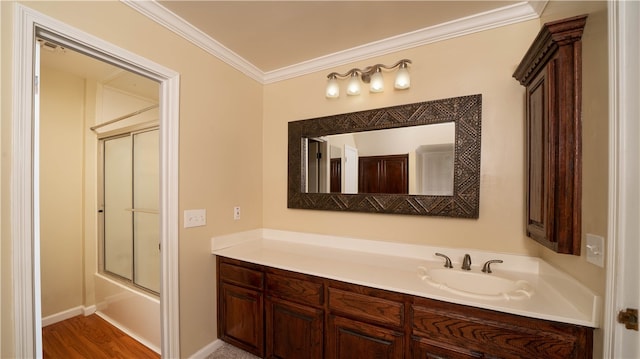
point(403, 80)
point(377, 82)
point(353, 88)
point(333, 90)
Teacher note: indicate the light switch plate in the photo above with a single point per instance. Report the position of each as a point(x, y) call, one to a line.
point(195, 218)
point(595, 250)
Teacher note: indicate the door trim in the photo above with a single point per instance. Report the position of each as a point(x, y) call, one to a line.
point(624, 173)
point(25, 242)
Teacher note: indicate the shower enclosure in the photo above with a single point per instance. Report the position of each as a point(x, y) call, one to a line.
point(130, 209)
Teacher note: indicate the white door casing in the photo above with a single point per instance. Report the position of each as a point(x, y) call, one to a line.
point(24, 200)
point(623, 278)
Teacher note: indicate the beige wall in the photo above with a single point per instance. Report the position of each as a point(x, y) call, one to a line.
point(595, 132)
point(480, 63)
point(220, 109)
point(595, 136)
point(61, 190)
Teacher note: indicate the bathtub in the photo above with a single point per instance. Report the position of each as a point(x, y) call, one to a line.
point(134, 312)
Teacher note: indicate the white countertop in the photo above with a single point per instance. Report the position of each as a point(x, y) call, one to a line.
point(394, 267)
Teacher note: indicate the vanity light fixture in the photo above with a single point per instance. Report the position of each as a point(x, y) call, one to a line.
point(371, 75)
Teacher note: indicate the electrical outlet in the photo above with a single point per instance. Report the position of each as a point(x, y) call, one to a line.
point(195, 218)
point(236, 213)
point(595, 250)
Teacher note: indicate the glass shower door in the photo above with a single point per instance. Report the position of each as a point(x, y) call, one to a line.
point(146, 222)
point(131, 202)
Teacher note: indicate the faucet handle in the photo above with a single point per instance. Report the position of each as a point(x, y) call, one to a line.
point(487, 265)
point(447, 260)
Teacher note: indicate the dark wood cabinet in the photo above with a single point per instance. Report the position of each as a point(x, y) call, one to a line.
point(293, 330)
point(423, 348)
point(551, 71)
point(335, 175)
point(349, 339)
point(275, 313)
point(466, 332)
point(241, 298)
point(383, 174)
point(294, 315)
point(364, 322)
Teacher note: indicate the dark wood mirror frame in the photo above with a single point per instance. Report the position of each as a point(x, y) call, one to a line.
point(464, 111)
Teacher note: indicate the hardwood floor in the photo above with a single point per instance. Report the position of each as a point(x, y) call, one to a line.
point(90, 337)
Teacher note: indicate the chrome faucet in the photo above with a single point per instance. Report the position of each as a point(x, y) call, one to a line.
point(487, 266)
point(466, 263)
point(447, 261)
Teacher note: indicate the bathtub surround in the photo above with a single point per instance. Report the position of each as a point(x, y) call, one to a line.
point(132, 311)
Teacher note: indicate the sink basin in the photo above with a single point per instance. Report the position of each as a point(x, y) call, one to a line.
point(476, 285)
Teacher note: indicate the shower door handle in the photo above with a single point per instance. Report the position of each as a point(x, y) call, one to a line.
point(142, 210)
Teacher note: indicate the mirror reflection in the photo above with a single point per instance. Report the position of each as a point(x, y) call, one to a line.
point(416, 160)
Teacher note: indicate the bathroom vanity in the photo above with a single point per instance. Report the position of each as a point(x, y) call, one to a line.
point(289, 298)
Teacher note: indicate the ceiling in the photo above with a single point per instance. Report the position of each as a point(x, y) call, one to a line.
point(57, 57)
point(276, 34)
point(274, 40)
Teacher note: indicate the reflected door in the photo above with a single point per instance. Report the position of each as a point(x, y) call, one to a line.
point(131, 225)
point(350, 169)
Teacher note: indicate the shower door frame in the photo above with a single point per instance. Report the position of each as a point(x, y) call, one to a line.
point(27, 323)
point(126, 132)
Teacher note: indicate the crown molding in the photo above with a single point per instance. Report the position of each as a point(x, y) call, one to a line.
point(158, 13)
point(512, 14)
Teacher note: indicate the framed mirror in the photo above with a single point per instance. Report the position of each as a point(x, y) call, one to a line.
point(418, 159)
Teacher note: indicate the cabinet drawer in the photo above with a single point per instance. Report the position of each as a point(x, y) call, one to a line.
point(367, 307)
point(240, 275)
point(351, 339)
point(482, 334)
point(294, 289)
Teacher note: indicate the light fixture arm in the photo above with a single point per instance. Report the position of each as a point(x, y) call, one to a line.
point(371, 75)
point(365, 74)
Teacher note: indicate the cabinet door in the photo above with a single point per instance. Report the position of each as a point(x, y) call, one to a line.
point(540, 151)
point(240, 318)
point(293, 331)
point(427, 349)
point(348, 339)
point(383, 174)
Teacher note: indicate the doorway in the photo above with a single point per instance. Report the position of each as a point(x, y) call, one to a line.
point(24, 175)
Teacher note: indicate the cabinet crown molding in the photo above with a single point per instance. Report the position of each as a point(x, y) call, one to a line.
point(550, 38)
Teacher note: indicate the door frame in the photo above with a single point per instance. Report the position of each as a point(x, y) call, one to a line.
point(624, 174)
point(24, 202)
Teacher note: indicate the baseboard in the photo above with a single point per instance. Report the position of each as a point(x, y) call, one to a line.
point(69, 313)
point(89, 310)
point(207, 350)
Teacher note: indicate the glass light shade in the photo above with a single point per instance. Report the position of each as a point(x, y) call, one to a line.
point(353, 87)
point(333, 90)
point(403, 80)
point(377, 82)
